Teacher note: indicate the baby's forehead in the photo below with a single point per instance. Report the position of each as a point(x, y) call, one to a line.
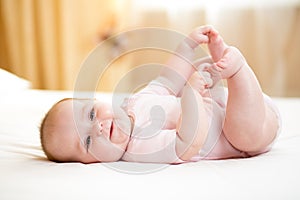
point(69, 114)
point(71, 109)
point(73, 103)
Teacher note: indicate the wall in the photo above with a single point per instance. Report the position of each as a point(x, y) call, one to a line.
point(267, 33)
point(47, 41)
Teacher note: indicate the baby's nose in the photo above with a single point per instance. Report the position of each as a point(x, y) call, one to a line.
point(98, 128)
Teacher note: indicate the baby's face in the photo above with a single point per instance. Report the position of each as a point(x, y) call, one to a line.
point(91, 131)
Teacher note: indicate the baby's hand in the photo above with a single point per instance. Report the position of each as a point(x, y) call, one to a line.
point(205, 64)
point(198, 36)
point(201, 81)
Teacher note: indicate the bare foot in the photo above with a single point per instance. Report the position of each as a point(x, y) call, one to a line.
point(216, 45)
point(229, 64)
point(228, 60)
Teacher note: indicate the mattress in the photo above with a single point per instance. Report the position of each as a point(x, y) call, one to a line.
point(25, 173)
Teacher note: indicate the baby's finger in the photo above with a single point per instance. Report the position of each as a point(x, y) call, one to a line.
point(214, 70)
point(215, 73)
point(205, 74)
point(209, 82)
point(213, 31)
point(199, 36)
point(203, 66)
point(205, 29)
point(205, 79)
point(202, 63)
point(195, 39)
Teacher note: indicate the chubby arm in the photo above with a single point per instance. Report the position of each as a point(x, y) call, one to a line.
point(179, 67)
point(193, 127)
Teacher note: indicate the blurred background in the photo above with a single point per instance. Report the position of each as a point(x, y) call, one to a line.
point(46, 41)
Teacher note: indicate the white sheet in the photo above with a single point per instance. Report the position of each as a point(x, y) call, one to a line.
point(26, 174)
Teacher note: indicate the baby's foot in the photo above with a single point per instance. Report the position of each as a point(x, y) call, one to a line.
point(229, 64)
point(216, 45)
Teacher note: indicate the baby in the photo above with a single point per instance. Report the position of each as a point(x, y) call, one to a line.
point(183, 115)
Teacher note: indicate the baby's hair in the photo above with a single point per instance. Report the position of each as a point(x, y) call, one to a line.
point(45, 125)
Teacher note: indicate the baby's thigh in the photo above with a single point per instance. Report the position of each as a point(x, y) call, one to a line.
point(274, 114)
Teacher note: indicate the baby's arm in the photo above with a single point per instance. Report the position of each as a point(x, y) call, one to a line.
point(193, 127)
point(179, 67)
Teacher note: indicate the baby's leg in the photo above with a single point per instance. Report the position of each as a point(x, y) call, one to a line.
point(250, 124)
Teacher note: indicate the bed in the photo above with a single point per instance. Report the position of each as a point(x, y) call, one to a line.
point(25, 173)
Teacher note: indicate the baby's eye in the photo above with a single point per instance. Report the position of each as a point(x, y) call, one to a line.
point(92, 114)
point(87, 143)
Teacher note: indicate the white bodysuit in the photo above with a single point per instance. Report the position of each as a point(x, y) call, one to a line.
point(156, 113)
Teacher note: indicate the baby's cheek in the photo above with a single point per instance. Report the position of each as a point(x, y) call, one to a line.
point(119, 137)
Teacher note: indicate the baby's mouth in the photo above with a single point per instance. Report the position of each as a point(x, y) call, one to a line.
point(111, 129)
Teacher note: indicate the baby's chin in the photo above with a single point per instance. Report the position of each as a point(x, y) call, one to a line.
point(115, 154)
point(119, 138)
